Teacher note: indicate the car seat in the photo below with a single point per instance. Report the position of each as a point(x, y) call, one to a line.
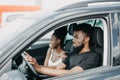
point(97, 42)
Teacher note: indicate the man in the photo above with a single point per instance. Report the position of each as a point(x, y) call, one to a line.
point(81, 58)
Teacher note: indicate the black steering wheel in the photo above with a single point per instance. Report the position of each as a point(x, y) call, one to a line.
point(29, 65)
point(32, 68)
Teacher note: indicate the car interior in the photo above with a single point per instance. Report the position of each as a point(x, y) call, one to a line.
point(39, 48)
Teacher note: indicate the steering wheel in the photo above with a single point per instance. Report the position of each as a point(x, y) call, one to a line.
point(29, 65)
point(32, 68)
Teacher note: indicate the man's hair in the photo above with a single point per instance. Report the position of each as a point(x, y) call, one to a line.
point(84, 27)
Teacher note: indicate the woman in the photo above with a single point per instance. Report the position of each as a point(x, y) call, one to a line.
point(55, 53)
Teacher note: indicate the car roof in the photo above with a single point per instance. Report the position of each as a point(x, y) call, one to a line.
point(83, 6)
point(86, 3)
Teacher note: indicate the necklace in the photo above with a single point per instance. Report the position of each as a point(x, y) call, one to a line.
point(56, 56)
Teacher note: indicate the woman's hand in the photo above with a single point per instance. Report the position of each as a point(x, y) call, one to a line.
point(31, 60)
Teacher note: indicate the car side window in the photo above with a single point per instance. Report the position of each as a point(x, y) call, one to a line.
point(47, 36)
point(116, 38)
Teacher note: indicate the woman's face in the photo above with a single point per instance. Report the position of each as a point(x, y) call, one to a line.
point(54, 42)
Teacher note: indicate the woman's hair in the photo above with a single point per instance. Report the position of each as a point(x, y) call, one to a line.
point(61, 33)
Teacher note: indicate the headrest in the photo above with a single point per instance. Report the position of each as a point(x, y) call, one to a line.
point(71, 26)
point(97, 37)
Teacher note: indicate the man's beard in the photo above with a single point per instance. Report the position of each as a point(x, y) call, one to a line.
point(78, 49)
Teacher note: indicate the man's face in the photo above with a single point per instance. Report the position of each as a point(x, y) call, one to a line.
point(78, 38)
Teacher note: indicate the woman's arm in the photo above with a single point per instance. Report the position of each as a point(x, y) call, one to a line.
point(47, 57)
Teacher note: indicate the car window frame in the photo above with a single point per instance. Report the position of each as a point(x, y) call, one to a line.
point(104, 18)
